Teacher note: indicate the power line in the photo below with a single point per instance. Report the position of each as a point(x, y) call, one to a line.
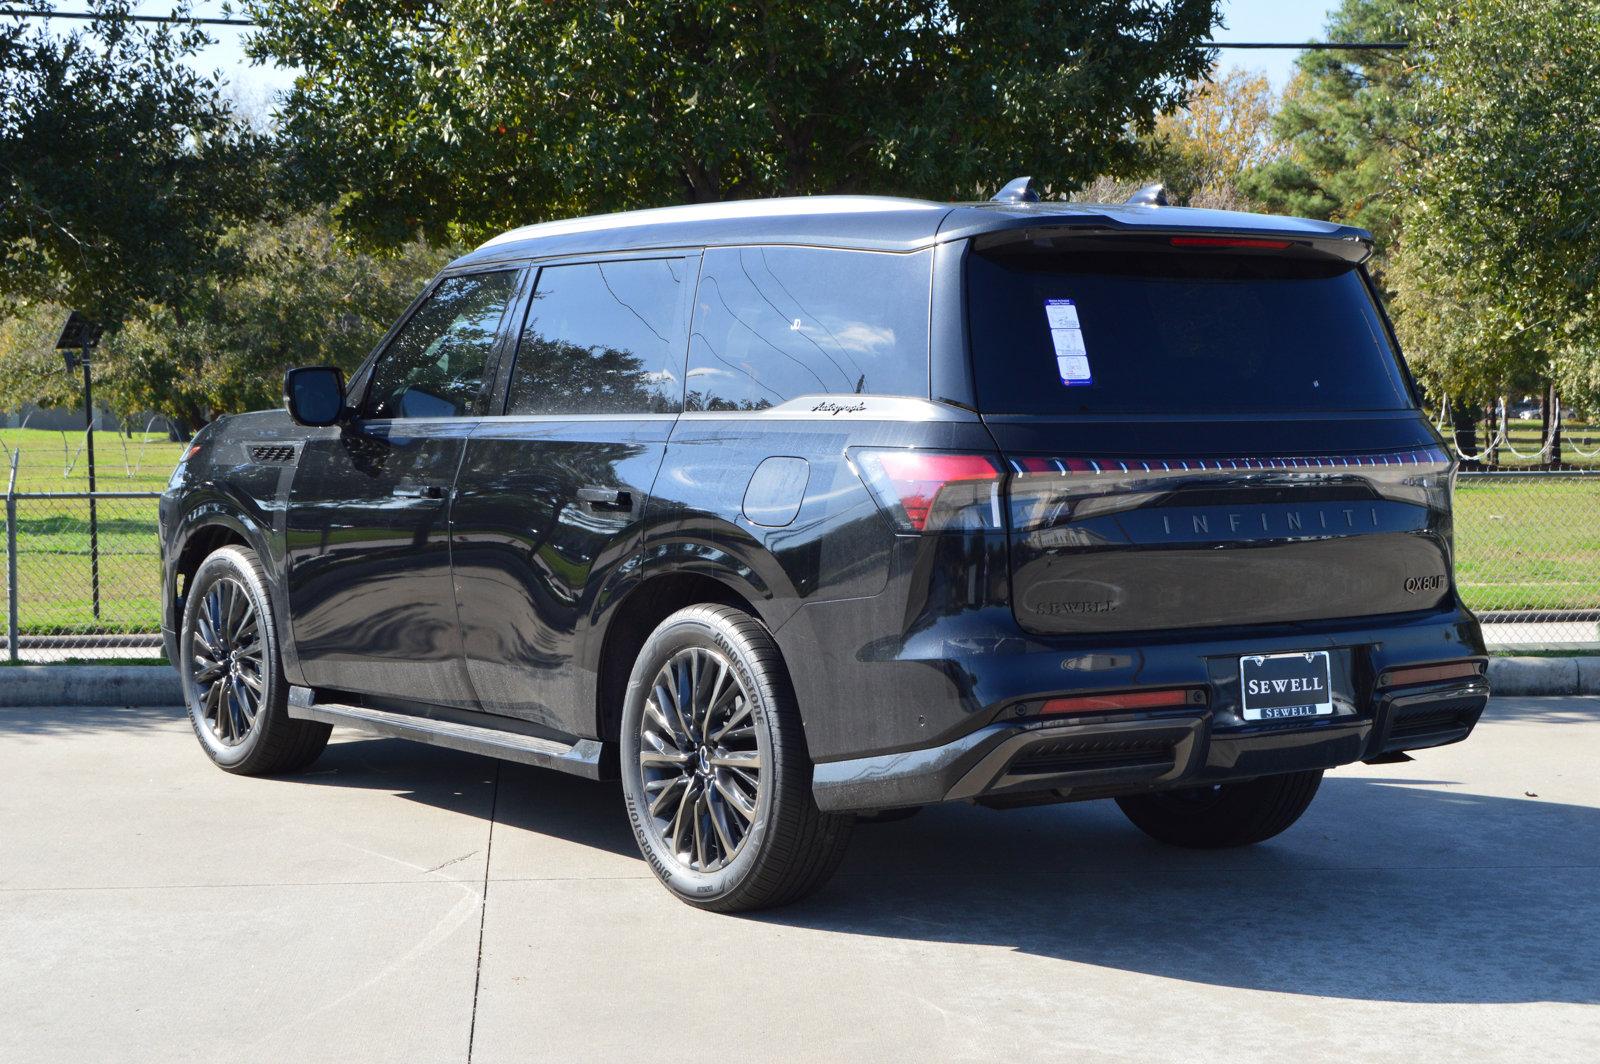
point(88, 15)
point(1316, 46)
point(1307, 46)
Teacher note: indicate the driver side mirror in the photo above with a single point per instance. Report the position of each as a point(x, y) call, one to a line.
point(314, 395)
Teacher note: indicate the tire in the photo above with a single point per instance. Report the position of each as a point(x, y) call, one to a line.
point(232, 673)
point(734, 770)
point(1224, 815)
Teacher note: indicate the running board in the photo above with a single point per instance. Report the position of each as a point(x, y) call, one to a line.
point(581, 758)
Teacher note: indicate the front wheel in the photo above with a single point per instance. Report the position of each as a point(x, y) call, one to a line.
point(715, 771)
point(233, 679)
point(1224, 814)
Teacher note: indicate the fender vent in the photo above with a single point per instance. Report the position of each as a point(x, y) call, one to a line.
point(272, 453)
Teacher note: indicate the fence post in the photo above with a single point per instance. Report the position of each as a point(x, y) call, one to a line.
point(13, 638)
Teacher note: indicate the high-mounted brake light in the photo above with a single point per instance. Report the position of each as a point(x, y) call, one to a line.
point(926, 491)
point(1165, 698)
point(1227, 242)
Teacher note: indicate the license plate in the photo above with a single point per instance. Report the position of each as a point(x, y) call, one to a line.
point(1285, 686)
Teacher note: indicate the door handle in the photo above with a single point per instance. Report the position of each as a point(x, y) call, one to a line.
point(610, 499)
point(425, 491)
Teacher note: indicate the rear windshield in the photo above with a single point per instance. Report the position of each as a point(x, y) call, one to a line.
point(1175, 332)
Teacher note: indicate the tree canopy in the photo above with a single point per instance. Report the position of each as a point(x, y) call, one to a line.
point(1205, 152)
point(120, 165)
point(295, 296)
point(1496, 271)
point(465, 117)
point(1343, 127)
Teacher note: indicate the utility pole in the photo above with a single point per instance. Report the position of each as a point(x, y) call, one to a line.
point(81, 334)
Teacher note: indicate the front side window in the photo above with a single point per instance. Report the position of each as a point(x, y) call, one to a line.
point(775, 323)
point(603, 338)
point(434, 366)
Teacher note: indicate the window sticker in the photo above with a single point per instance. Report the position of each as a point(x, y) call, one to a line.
point(1072, 359)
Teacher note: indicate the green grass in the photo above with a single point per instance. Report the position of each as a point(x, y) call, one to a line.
point(1525, 544)
point(53, 557)
point(56, 461)
point(1531, 544)
point(54, 586)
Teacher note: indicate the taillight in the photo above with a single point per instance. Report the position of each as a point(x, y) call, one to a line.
point(1164, 698)
point(1227, 242)
point(933, 491)
point(1409, 674)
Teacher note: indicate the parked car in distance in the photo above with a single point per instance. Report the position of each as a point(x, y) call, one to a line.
point(795, 513)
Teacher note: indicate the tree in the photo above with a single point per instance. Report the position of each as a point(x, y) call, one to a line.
point(1222, 134)
point(120, 166)
point(1496, 271)
point(465, 117)
point(1343, 126)
point(297, 296)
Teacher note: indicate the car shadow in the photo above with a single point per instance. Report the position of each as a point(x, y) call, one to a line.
point(1389, 889)
point(570, 808)
point(41, 721)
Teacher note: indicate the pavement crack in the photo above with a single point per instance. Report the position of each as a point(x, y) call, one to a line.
point(454, 860)
point(483, 912)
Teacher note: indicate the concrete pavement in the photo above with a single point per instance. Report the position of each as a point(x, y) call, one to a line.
point(155, 908)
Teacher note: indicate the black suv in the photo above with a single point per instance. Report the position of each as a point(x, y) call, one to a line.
point(799, 512)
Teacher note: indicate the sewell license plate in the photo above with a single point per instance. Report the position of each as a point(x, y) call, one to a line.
point(1285, 686)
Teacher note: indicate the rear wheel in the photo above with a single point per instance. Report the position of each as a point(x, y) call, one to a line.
point(714, 767)
point(232, 676)
point(1224, 814)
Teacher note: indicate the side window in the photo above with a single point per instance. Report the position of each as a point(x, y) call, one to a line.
point(603, 338)
point(434, 366)
point(774, 323)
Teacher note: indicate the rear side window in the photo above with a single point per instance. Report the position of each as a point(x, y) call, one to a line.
point(603, 338)
point(434, 365)
point(774, 323)
point(1176, 333)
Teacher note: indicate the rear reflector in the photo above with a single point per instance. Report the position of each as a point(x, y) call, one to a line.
point(1166, 698)
point(1226, 242)
point(928, 491)
point(1455, 670)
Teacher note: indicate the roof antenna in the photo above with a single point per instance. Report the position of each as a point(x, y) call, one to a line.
point(1022, 190)
point(1152, 195)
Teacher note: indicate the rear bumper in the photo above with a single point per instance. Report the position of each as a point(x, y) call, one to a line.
point(1047, 759)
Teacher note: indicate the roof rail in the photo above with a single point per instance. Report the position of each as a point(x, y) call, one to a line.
point(1152, 195)
point(1022, 190)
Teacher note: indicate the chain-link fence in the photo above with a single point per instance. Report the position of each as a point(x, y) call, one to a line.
point(83, 576)
point(1528, 557)
point(83, 571)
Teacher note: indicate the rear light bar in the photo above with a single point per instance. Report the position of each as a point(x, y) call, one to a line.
point(1421, 456)
point(1227, 242)
point(1412, 674)
point(931, 491)
point(1165, 698)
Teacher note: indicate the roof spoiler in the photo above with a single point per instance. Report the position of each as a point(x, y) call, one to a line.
point(1347, 243)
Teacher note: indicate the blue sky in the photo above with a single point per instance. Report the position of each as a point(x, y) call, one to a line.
point(1253, 20)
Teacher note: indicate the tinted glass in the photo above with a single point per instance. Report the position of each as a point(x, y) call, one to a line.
point(1177, 333)
point(602, 338)
point(434, 366)
point(772, 324)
